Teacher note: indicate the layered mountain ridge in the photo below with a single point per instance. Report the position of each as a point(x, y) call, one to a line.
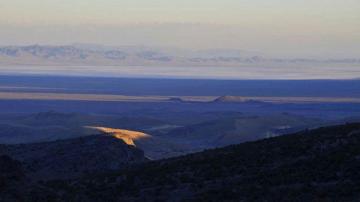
point(85, 55)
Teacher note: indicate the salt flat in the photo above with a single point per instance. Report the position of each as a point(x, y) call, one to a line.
point(156, 98)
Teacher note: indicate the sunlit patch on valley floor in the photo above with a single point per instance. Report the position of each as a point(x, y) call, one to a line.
point(127, 136)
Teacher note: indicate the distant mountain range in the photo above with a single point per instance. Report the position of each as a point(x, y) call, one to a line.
point(137, 56)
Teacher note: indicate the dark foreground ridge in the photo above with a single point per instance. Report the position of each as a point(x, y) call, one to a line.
point(314, 165)
point(71, 158)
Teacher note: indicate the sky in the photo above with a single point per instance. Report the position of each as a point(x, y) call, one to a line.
point(327, 28)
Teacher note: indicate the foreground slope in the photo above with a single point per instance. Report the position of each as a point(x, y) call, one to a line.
point(316, 165)
point(11, 178)
point(313, 165)
point(73, 157)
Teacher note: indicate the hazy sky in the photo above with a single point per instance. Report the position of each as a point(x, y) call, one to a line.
point(279, 27)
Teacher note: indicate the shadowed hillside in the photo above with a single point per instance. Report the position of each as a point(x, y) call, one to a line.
point(11, 178)
point(313, 165)
point(316, 165)
point(159, 135)
point(73, 157)
point(234, 130)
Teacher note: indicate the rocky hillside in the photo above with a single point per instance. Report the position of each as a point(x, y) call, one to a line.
point(316, 165)
point(313, 165)
point(11, 178)
point(73, 157)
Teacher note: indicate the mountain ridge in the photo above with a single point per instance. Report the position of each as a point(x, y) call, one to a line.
point(73, 157)
point(312, 165)
point(90, 56)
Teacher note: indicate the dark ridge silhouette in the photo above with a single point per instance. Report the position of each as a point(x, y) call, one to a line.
point(312, 165)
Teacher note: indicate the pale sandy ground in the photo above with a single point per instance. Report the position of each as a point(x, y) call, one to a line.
point(217, 71)
point(96, 97)
point(124, 98)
